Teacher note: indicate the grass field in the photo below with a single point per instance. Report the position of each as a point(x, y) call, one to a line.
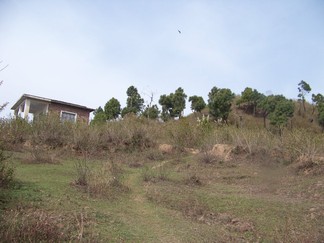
point(172, 197)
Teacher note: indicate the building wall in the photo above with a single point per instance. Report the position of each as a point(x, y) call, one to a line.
point(82, 115)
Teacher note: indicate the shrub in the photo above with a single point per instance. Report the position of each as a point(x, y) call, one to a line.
point(105, 182)
point(49, 130)
point(82, 172)
point(14, 132)
point(252, 140)
point(302, 146)
point(185, 134)
point(130, 134)
point(6, 172)
point(86, 140)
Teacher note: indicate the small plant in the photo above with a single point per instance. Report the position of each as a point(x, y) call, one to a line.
point(204, 123)
point(193, 180)
point(207, 157)
point(83, 172)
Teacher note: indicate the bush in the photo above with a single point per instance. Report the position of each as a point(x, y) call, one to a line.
point(6, 172)
point(50, 131)
point(82, 172)
point(86, 140)
point(185, 134)
point(105, 182)
point(253, 141)
point(14, 132)
point(130, 134)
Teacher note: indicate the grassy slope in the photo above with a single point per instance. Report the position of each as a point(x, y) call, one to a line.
point(191, 202)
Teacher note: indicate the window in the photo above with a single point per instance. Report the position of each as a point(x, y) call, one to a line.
point(68, 116)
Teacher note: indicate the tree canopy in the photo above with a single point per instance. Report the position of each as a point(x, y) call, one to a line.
point(251, 98)
point(197, 103)
point(303, 89)
point(134, 103)
point(173, 104)
point(112, 109)
point(220, 102)
point(284, 109)
point(151, 112)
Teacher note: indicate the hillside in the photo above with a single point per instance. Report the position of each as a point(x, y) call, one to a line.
point(143, 181)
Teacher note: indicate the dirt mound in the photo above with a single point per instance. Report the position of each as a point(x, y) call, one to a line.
point(310, 167)
point(166, 148)
point(223, 151)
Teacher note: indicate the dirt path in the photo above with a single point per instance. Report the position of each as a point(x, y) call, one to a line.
point(147, 216)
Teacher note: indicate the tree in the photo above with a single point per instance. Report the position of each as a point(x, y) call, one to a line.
point(220, 102)
point(134, 102)
point(320, 116)
point(267, 105)
point(250, 97)
point(99, 116)
point(319, 104)
point(284, 109)
point(317, 99)
point(197, 103)
point(151, 112)
point(173, 104)
point(166, 102)
point(303, 89)
point(112, 109)
point(179, 102)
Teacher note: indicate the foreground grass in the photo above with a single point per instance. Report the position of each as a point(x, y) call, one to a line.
point(174, 200)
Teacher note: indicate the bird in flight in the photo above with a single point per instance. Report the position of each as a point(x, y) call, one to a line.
point(179, 31)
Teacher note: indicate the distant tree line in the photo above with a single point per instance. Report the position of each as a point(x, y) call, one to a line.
point(275, 108)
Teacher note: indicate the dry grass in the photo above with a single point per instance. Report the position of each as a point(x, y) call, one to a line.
point(106, 181)
point(37, 225)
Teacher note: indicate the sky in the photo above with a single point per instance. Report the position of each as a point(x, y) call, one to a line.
point(86, 52)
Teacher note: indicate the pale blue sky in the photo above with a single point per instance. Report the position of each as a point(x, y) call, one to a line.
point(87, 52)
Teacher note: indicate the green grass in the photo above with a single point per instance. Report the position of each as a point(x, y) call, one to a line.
point(233, 203)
